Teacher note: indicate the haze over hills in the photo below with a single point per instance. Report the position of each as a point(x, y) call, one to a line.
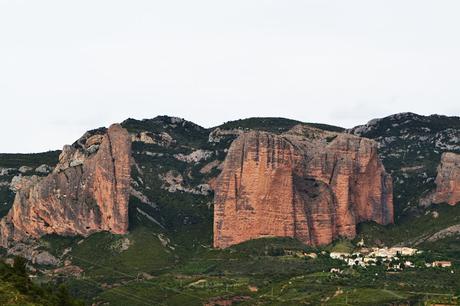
point(147, 200)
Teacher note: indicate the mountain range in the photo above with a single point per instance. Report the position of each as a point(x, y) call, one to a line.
point(164, 211)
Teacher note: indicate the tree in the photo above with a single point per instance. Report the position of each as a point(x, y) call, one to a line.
point(20, 265)
point(64, 298)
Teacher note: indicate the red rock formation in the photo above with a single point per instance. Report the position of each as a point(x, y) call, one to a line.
point(308, 184)
point(87, 192)
point(448, 180)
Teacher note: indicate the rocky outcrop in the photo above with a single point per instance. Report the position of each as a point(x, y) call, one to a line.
point(44, 169)
point(210, 166)
point(88, 191)
point(194, 157)
point(6, 171)
point(18, 182)
point(218, 134)
point(173, 181)
point(447, 180)
point(34, 253)
point(161, 139)
point(447, 232)
point(307, 183)
point(25, 169)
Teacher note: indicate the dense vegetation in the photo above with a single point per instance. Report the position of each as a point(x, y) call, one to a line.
point(274, 125)
point(16, 288)
point(34, 160)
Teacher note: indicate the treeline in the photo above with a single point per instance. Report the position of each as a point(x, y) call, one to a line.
point(16, 288)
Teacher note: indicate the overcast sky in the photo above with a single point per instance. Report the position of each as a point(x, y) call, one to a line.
point(69, 66)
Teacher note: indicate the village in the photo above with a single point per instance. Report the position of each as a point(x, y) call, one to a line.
point(393, 258)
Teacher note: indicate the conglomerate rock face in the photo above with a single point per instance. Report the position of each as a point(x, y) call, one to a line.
point(448, 180)
point(307, 183)
point(88, 191)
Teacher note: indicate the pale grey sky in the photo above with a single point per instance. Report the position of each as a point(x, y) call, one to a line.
point(69, 66)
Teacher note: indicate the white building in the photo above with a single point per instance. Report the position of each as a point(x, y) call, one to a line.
point(339, 255)
point(409, 264)
point(393, 252)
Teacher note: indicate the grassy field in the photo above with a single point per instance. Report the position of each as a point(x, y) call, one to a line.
point(294, 288)
point(256, 272)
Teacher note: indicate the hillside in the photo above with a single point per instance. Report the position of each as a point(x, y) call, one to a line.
point(17, 289)
point(411, 146)
point(167, 256)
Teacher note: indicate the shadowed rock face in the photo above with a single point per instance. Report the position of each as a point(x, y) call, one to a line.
point(307, 183)
point(448, 180)
point(87, 192)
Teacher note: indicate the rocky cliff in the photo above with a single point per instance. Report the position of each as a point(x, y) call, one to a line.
point(410, 147)
point(88, 191)
point(447, 180)
point(307, 183)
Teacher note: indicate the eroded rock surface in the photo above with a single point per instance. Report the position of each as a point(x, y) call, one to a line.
point(162, 139)
point(307, 183)
point(87, 192)
point(448, 180)
point(195, 156)
point(174, 182)
point(218, 134)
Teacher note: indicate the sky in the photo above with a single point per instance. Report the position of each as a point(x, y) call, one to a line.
point(70, 66)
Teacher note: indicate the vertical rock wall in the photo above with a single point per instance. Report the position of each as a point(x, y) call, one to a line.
point(448, 180)
point(308, 184)
point(87, 192)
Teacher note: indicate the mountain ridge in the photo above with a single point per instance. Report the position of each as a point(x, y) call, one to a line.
point(175, 164)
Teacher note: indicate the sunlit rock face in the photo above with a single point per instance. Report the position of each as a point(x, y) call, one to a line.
point(448, 180)
point(88, 191)
point(309, 184)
